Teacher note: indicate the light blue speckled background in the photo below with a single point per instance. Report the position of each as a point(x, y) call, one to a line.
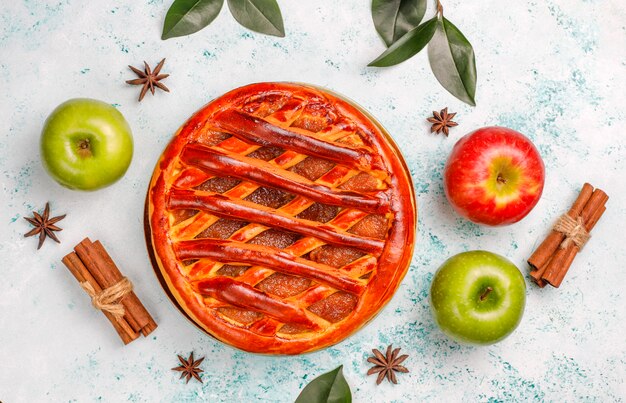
point(552, 69)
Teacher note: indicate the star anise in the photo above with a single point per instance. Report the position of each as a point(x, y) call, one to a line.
point(189, 368)
point(442, 121)
point(44, 225)
point(149, 79)
point(387, 365)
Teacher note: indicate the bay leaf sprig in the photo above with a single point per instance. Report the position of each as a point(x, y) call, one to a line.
point(185, 17)
point(330, 387)
point(450, 54)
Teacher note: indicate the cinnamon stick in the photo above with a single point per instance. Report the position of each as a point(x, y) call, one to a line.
point(563, 258)
point(92, 264)
point(80, 272)
point(107, 274)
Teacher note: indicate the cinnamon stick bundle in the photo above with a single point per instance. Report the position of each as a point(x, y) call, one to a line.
point(554, 256)
point(111, 292)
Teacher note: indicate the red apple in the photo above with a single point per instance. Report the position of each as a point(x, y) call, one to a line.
point(494, 176)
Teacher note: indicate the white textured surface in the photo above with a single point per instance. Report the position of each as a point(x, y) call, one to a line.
point(553, 70)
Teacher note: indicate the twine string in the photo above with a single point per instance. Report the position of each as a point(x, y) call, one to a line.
point(573, 229)
point(109, 298)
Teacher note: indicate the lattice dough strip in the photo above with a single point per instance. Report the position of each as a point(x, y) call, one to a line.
point(223, 206)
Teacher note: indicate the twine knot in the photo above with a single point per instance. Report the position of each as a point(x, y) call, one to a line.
point(573, 229)
point(109, 298)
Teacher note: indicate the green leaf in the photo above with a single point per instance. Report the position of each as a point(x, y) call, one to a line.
point(407, 46)
point(188, 16)
point(452, 61)
point(328, 388)
point(258, 15)
point(394, 18)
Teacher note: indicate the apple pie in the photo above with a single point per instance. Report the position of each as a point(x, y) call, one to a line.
point(280, 218)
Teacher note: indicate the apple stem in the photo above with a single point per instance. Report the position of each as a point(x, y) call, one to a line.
point(84, 148)
point(439, 8)
point(485, 293)
point(501, 179)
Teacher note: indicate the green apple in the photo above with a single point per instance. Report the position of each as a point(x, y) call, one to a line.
point(86, 144)
point(478, 297)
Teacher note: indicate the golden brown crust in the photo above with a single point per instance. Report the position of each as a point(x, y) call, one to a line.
point(286, 298)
